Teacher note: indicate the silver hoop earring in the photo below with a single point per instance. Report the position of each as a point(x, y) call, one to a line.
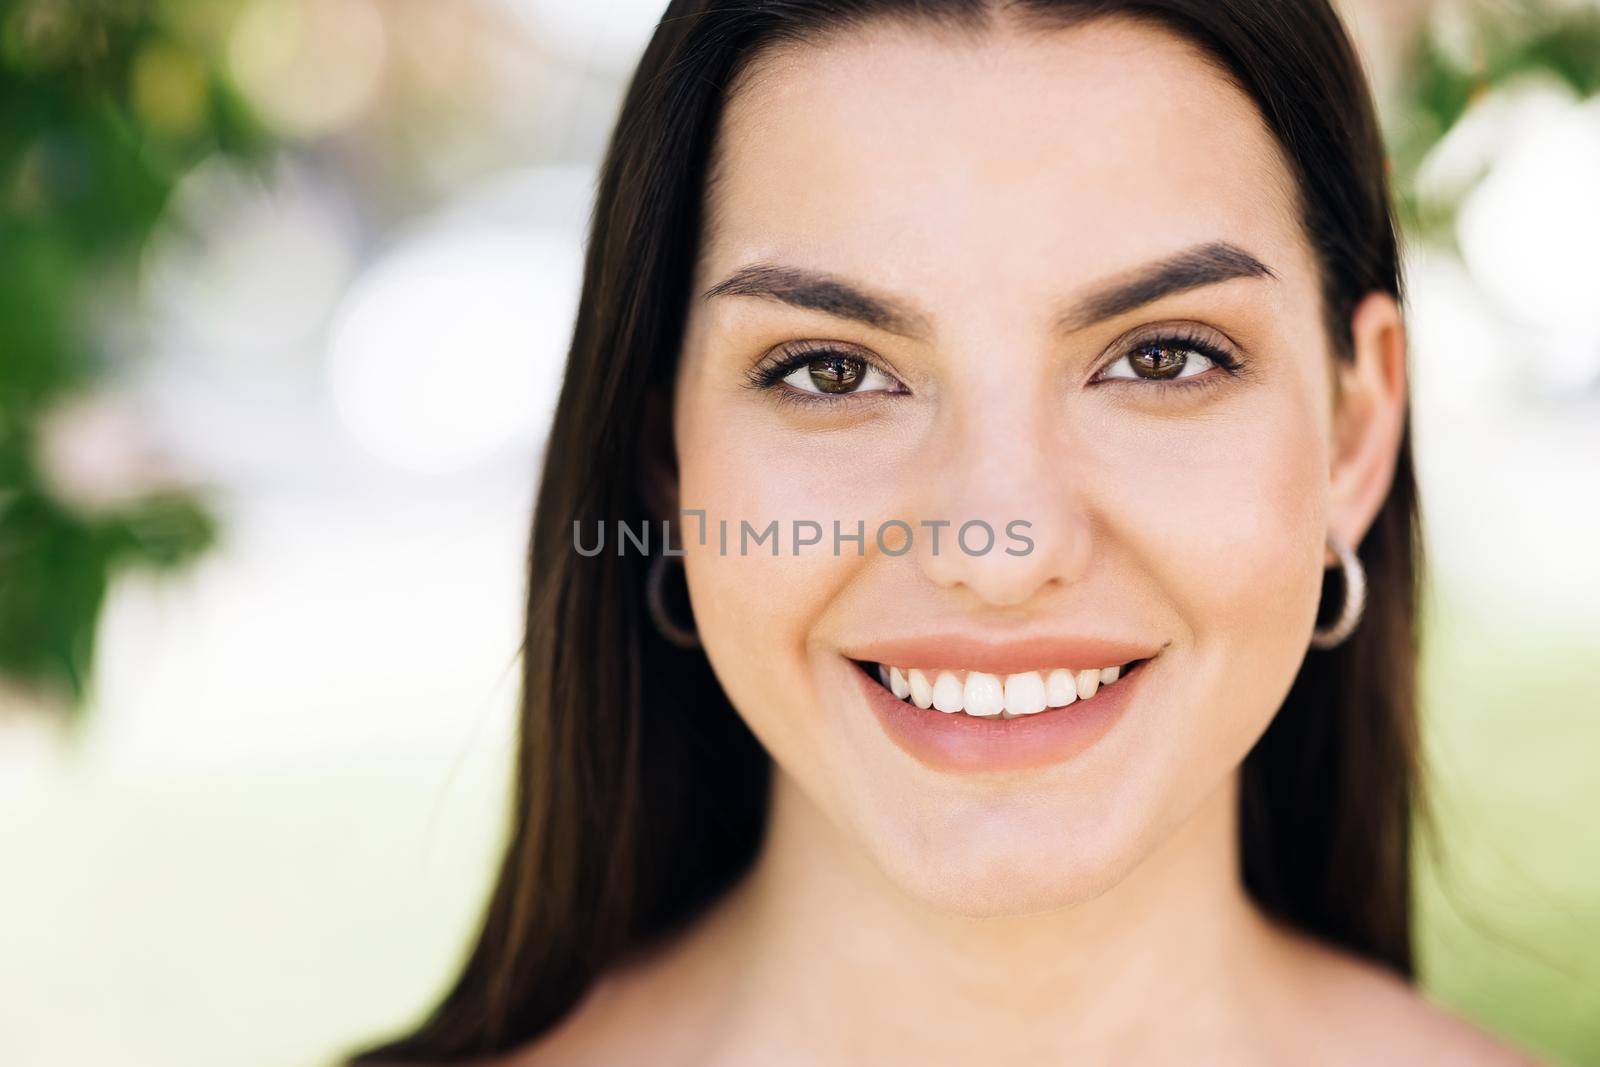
point(656, 601)
point(1355, 597)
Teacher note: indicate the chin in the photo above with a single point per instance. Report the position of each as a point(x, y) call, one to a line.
point(1009, 859)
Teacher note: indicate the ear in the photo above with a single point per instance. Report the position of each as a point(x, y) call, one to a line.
point(657, 463)
point(1368, 418)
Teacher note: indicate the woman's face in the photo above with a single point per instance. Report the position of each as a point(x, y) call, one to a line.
point(1053, 280)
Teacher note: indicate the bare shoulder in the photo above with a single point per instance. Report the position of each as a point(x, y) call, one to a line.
point(1369, 1014)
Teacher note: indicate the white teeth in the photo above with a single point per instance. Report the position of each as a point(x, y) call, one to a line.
point(983, 695)
point(989, 696)
point(1060, 690)
point(947, 693)
point(1024, 694)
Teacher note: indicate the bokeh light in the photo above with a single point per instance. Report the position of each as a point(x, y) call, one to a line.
point(1529, 229)
point(449, 349)
point(309, 66)
point(248, 266)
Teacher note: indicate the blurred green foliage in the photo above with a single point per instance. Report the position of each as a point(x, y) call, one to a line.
point(1506, 925)
point(1453, 64)
point(104, 105)
point(1508, 928)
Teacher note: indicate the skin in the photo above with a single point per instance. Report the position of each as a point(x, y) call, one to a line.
point(903, 914)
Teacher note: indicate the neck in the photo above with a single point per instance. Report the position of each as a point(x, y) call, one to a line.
point(829, 950)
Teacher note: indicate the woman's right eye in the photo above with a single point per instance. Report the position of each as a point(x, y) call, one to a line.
point(822, 374)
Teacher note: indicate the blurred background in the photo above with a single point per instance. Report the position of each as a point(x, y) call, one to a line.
point(285, 287)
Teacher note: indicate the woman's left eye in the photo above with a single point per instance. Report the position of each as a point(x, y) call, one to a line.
point(1158, 361)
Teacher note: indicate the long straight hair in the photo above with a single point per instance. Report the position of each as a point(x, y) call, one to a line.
point(640, 794)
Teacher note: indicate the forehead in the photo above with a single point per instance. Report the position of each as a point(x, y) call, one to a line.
point(1083, 150)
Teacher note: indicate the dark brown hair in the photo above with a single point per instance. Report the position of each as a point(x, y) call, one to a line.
point(633, 812)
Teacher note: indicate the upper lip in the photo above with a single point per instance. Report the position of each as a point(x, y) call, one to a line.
point(961, 651)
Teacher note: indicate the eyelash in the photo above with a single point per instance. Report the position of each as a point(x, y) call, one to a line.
point(768, 375)
point(1180, 337)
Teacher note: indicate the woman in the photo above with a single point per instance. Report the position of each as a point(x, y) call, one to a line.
point(1129, 779)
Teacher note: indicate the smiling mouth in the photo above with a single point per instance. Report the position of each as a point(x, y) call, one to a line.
point(996, 696)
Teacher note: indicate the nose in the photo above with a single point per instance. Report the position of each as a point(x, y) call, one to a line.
point(1007, 517)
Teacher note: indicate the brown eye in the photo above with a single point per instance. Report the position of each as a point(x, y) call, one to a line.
point(1164, 360)
point(1157, 360)
point(836, 374)
point(825, 373)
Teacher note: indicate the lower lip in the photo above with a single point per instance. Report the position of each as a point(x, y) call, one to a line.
point(966, 743)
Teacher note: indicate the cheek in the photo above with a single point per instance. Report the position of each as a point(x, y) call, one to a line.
point(1230, 517)
point(1227, 519)
point(754, 609)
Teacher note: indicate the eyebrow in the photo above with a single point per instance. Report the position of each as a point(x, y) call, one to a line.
point(817, 291)
point(1192, 268)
